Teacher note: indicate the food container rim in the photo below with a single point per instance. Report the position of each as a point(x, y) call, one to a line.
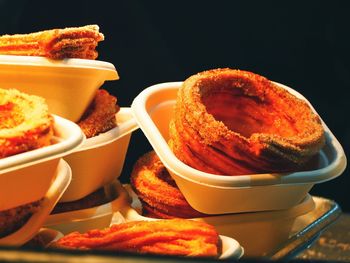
point(54, 193)
point(174, 165)
point(92, 212)
point(61, 63)
point(62, 147)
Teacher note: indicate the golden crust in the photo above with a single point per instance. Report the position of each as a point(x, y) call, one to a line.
point(25, 123)
point(158, 192)
point(177, 237)
point(244, 123)
point(100, 115)
point(71, 42)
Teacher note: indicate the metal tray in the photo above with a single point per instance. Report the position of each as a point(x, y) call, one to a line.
point(306, 229)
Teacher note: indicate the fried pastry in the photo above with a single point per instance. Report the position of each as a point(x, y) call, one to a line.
point(14, 218)
point(176, 237)
point(71, 42)
point(158, 192)
point(25, 123)
point(233, 122)
point(100, 115)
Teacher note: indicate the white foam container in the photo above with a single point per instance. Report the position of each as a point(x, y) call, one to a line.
point(97, 217)
point(100, 159)
point(272, 227)
point(68, 85)
point(26, 177)
point(33, 225)
point(153, 109)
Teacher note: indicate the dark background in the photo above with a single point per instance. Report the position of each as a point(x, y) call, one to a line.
point(302, 44)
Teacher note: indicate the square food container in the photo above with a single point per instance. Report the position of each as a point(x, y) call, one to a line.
point(26, 177)
point(212, 194)
point(61, 181)
point(97, 217)
point(274, 227)
point(100, 159)
point(68, 85)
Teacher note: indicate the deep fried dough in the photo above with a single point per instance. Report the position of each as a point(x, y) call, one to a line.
point(100, 115)
point(233, 122)
point(178, 237)
point(72, 42)
point(25, 123)
point(14, 218)
point(158, 192)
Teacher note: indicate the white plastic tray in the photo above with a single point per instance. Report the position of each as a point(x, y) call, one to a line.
point(97, 217)
point(274, 226)
point(33, 225)
point(100, 159)
point(68, 85)
point(153, 109)
point(26, 177)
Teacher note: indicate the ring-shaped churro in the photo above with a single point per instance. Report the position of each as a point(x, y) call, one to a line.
point(233, 122)
point(158, 192)
point(25, 123)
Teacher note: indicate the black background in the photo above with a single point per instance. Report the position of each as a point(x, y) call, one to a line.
point(302, 44)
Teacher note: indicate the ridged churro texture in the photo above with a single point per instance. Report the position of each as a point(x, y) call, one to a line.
point(99, 117)
point(158, 192)
point(233, 122)
point(71, 42)
point(177, 237)
point(25, 122)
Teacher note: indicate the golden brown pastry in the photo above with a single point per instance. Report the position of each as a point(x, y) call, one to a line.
point(233, 122)
point(100, 115)
point(71, 42)
point(25, 122)
point(176, 237)
point(158, 192)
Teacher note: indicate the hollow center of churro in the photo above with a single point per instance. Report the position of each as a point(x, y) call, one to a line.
point(247, 113)
point(10, 115)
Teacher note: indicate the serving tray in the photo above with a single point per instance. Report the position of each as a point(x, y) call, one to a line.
point(306, 229)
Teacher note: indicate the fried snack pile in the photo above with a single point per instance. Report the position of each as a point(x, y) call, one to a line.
point(158, 192)
point(14, 218)
point(72, 42)
point(233, 122)
point(177, 237)
point(100, 115)
point(25, 122)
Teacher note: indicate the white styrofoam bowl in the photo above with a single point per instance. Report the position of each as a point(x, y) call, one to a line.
point(68, 85)
point(26, 177)
point(100, 159)
point(153, 108)
point(61, 181)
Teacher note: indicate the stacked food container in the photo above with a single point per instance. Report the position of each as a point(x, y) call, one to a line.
point(242, 206)
point(75, 168)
